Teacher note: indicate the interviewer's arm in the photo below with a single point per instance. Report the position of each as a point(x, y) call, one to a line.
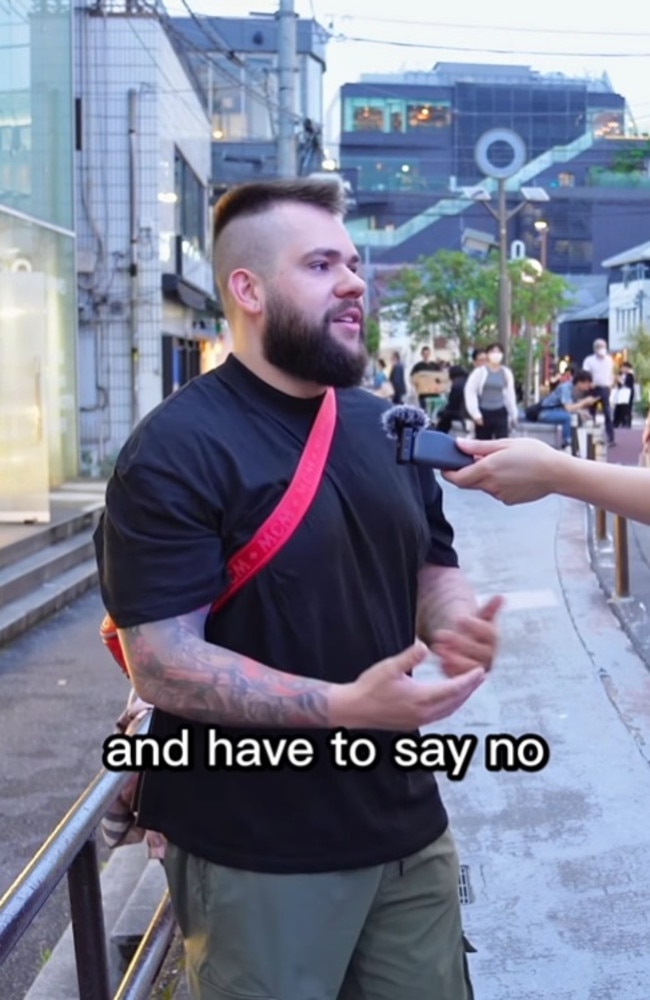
point(520, 470)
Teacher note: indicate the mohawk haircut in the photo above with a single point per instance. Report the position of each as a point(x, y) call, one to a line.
point(247, 200)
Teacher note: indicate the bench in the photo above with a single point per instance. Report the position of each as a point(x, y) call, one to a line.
point(549, 433)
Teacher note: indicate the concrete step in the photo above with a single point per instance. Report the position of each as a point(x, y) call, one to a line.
point(31, 539)
point(30, 573)
point(57, 980)
point(133, 921)
point(52, 595)
point(171, 983)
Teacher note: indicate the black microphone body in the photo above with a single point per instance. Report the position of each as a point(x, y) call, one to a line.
point(416, 445)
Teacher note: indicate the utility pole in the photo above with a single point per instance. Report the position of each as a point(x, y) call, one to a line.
point(286, 89)
point(504, 277)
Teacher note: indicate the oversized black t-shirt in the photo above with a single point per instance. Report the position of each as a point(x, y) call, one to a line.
point(190, 487)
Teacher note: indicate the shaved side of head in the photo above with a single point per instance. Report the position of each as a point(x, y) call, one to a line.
point(248, 243)
point(245, 232)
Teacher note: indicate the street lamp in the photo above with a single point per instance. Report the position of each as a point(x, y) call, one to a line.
point(489, 156)
point(541, 227)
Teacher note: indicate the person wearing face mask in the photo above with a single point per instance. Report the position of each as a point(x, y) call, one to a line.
point(600, 366)
point(490, 397)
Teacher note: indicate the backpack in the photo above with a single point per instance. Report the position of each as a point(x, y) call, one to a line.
point(533, 411)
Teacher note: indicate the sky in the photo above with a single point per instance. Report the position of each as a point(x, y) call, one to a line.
point(551, 36)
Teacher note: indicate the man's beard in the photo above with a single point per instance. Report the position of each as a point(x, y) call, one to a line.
point(308, 350)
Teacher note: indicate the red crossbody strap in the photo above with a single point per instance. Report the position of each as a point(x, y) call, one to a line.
point(283, 521)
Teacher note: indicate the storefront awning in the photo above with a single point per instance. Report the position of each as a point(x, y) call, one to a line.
point(173, 286)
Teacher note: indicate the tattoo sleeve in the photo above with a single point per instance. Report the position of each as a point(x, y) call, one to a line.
point(175, 669)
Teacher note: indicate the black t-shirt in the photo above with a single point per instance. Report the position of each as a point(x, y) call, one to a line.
point(425, 366)
point(191, 486)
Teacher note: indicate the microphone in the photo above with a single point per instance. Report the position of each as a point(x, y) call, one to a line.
point(405, 424)
point(397, 418)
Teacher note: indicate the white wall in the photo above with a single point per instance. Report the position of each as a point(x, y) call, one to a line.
point(629, 308)
point(121, 313)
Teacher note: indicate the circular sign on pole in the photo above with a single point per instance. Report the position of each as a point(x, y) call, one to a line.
point(500, 153)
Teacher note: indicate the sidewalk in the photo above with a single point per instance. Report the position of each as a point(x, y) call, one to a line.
point(556, 859)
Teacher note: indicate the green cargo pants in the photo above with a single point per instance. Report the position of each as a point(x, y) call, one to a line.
point(390, 932)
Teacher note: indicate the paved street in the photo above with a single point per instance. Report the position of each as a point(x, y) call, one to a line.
point(556, 859)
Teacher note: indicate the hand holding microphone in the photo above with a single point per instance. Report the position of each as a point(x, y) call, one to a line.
point(406, 424)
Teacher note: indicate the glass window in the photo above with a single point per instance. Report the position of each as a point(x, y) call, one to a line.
point(606, 123)
point(368, 118)
point(190, 204)
point(38, 421)
point(428, 115)
point(372, 114)
point(36, 110)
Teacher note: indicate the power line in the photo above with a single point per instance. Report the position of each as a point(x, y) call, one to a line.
point(509, 29)
point(395, 43)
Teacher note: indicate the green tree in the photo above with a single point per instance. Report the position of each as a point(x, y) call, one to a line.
point(536, 296)
point(372, 335)
point(446, 292)
point(459, 296)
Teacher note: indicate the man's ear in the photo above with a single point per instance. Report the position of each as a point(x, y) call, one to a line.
point(247, 290)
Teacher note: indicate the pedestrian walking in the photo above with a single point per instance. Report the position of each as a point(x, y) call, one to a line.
point(490, 396)
point(624, 396)
point(397, 378)
point(600, 366)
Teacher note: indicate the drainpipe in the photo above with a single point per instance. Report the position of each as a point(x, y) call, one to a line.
point(133, 254)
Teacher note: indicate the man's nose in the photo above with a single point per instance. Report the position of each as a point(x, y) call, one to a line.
point(350, 284)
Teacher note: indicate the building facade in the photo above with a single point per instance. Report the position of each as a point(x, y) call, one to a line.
point(408, 145)
point(628, 295)
point(148, 317)
point(235, 61)
point(38, 405)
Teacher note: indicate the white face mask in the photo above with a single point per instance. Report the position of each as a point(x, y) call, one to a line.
point(495, 357)
point(601, 352)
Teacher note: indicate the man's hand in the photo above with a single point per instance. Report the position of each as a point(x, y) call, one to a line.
point(385, 696)
point(471, 643)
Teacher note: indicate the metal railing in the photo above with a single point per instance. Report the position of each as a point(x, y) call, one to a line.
point(619, 532)
point(71, 849)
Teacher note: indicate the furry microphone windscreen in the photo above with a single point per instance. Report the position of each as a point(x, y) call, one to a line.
point(400, 417)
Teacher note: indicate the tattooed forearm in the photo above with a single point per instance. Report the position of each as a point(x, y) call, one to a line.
point(443, 596)
point(173, 668)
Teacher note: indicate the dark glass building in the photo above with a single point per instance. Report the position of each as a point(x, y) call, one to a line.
point(408, 151)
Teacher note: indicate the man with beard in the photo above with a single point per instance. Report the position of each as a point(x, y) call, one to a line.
point(335, 881)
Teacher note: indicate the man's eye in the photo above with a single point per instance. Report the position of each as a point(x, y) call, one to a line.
point(319, 265)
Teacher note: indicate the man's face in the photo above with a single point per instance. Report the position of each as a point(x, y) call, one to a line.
point(426, 354)
point(480, 359)
point(314, 326)
point(583, 388)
